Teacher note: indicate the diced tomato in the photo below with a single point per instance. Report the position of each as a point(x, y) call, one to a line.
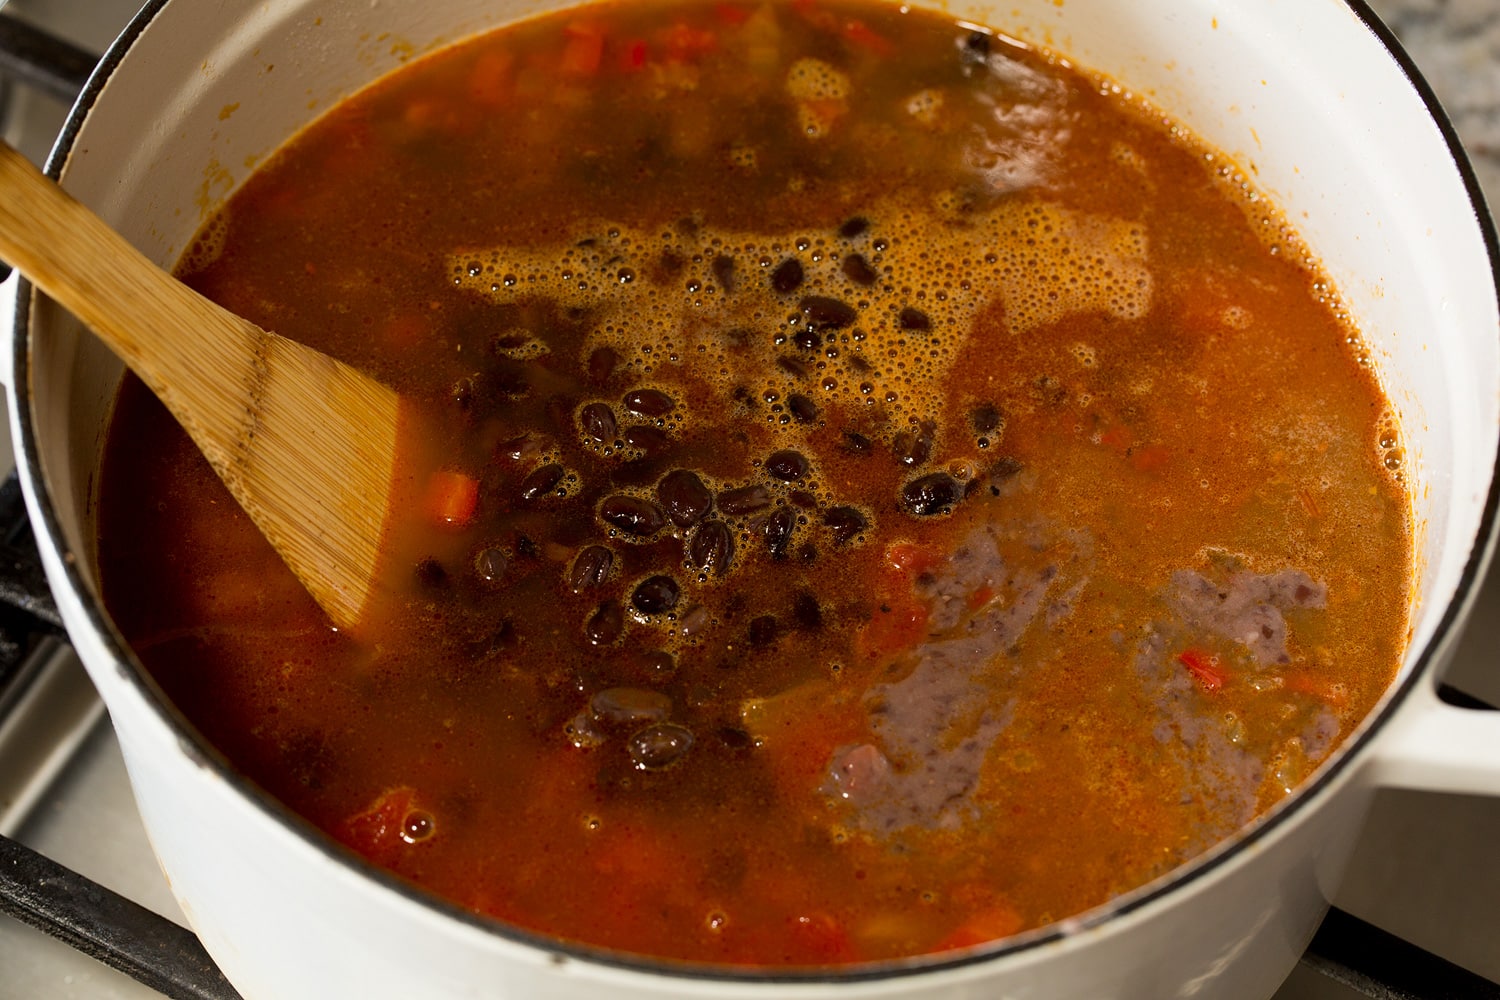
point(406, 330)
point(1150, 457)
point(867, 38)
point(583, 49)
point(376, 832)
point(635, 56)
point(731, 15)
point(1204, 667)
point(910, 560)
point(1117, 438)
point(819, 939)
point(452, 498)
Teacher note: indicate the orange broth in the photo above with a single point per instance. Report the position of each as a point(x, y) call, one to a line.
point(886, 488)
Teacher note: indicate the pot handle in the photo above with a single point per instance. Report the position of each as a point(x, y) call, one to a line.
point(1431, 745)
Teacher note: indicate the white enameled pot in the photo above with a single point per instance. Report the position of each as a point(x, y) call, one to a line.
point(1312, 100)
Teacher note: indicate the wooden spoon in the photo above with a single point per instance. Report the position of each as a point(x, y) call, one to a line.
point(304, 442)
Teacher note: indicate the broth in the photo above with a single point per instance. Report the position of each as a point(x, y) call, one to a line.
point(883, 488)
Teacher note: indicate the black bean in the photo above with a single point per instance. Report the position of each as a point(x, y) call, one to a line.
point(431, 574)
point(541, 481)
point(763, 630)
point(590, 568)
point(649, 402)
point(806, 613)
point(914, 448)
point(602, 364)
point(858, 270)
point(803, 499)
point(659, 666)
point(787, 277)
point(735, 738)
point(605, 624)
point(744, 500)
point(985, 417)
point(913, 319)
point(845, 524)
point(650, 440)
point(824, 313)
point(723, 269)
point(583, 732)
point(854, 227)
point(1004, 467)
point(778, 532)
point(625, 706)
point(934, 493)
point(787, 465)
point(856, 443)
point(524, 446)
point(462, 391)
point(804, 409)
point(693, 620)
point(686, 499)
point(632, 515)
point(507, 379)
point(490, 564)
point(792, 367)
point(711, 547)
point(660, 745)
point(655, 595)
point(598, 422)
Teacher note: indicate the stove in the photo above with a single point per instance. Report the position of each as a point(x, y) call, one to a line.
point(1418, 916)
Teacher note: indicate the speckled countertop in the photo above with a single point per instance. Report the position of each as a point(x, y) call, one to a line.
point(1456, 44)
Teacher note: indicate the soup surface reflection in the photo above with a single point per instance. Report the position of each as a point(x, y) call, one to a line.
point(884, 488)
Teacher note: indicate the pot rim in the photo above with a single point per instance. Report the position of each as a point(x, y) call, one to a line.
point(47, 527)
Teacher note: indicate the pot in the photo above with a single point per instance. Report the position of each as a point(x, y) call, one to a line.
point(1313, 99)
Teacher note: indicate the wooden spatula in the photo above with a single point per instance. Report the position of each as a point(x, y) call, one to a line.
point(304, 442)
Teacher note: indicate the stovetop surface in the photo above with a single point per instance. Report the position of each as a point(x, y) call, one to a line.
point(1427, 868)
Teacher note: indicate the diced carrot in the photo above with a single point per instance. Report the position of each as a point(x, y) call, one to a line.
point(452, 498)
point(1204, 667)
point(583, 49)
point(1332, 692)
point(683, 41)
point(999, 920)
point(489, 80)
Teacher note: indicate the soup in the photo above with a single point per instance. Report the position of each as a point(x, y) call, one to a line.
point(883, 488)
